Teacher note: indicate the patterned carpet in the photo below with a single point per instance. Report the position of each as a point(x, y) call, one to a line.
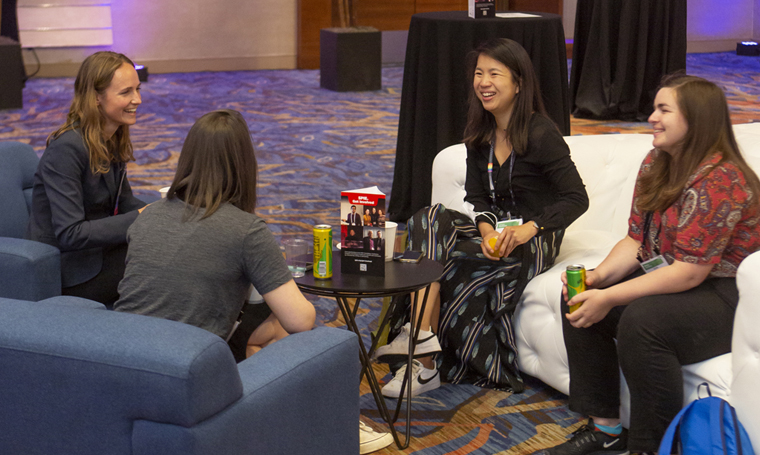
point(311, 144)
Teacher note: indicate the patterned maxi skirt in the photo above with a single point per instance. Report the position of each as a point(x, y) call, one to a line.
point(478, 296)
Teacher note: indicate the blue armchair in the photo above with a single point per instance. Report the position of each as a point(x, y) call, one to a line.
point(78, 379)
point(28, 270)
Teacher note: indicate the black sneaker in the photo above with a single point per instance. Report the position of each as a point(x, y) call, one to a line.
point(587, 441)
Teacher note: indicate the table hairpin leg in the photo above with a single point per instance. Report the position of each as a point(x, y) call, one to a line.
point(349, 314)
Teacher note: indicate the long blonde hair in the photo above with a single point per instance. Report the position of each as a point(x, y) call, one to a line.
point(703, 105)
point(94, 77)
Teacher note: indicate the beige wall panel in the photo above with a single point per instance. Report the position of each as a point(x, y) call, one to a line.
point(568, 17)
point(48, 3)
point(64, 38)
point(64, 17)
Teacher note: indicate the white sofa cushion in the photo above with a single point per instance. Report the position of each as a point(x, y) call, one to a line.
point(745, 348)
point(608, 165)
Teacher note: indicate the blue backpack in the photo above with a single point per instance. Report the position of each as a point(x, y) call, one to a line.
point(707, 426)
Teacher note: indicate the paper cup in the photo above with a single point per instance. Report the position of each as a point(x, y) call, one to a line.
point(163, 191)
point(390, 239)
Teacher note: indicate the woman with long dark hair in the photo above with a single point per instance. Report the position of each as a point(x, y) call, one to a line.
point(519, 173)
point(82, 202)
point(194, 255)
point(666, 294)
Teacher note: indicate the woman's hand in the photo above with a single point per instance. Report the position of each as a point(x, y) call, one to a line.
point(524, 232)
point(596, 305)
point(497, 251)
point(509, 238)
point(592, 281)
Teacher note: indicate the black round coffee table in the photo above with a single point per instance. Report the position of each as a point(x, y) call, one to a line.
point(400, 279)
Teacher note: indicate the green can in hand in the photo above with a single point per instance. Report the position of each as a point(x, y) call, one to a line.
point(576, 283)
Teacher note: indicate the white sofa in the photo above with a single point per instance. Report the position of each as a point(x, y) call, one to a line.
point(608, 165)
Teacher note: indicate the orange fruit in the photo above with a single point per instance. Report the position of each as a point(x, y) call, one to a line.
point(492, 244)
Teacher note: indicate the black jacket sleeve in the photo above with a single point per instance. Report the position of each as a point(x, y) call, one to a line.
point(81, 204)
point(569, 198)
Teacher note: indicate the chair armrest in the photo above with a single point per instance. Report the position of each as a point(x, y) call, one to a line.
point(78, 302)
point(745, 348)
point(29, 270)
point(300, 395)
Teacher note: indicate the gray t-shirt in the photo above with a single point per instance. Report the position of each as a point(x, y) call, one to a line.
point(199, 271)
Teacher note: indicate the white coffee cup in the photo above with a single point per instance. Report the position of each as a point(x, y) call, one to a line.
point(163, 191)
point(390, 239)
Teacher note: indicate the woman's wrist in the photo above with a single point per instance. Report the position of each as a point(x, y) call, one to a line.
point(536, 228)
point(485, 228)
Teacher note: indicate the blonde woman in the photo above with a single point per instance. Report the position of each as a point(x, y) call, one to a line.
point(82, 202)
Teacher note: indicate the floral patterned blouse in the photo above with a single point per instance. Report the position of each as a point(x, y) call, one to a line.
point(713, 222)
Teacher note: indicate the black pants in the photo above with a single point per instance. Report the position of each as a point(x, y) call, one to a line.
point(655, 336)
point(103, 287)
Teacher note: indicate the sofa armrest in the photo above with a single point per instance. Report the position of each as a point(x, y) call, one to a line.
point(29, 270)
point(745, 348)
point(300, 395)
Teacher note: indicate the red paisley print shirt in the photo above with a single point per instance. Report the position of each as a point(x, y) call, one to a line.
point(711, 223)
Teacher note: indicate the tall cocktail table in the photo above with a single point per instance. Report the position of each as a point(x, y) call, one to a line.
point(399, 279)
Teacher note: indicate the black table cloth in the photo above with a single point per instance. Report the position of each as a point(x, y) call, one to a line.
point(434, 94)
point(621, 51)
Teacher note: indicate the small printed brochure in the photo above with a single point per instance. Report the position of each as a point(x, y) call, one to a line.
point(480, 9)
point(362, 229)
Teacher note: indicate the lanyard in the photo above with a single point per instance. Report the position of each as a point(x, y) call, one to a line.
point(656, 244)
point(118, 193)
point(490, 180)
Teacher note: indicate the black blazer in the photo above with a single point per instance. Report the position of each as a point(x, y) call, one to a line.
point(73, 209)
point(354, 219)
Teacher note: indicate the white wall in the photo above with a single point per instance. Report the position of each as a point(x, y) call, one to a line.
point(191, 35)
point(717, 25)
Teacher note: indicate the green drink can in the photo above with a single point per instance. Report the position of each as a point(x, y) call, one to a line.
point(576, 283)
point(323, 251)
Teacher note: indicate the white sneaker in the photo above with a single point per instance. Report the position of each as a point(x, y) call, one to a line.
point(398, 349)
point(423, 380)
point(370, 440)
